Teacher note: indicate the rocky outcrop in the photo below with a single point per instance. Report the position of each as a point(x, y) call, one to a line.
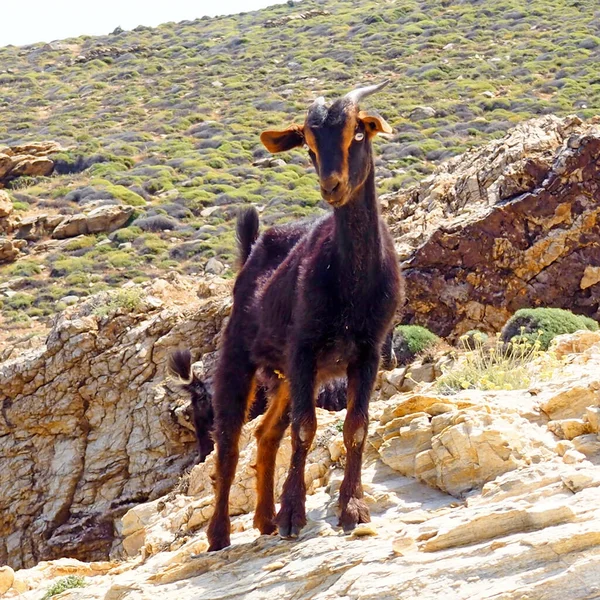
point(86, 428)
point(30, 159)
point(511, 225)
point(504, 508)
point(101, 219)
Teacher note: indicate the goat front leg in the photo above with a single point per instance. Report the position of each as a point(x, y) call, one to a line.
point(292, 514)
point(361, 379)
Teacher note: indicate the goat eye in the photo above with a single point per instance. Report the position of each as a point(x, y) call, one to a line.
point(359, 136)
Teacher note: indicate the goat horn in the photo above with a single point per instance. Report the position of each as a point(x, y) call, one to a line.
point(318, 102)
point(358, 94)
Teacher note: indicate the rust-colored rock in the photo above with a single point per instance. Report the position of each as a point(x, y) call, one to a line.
point(511, 225)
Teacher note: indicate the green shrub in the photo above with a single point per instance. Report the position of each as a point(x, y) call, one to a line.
point(66, 583)
point(530, 324)
point(125, 195)
point(66, 266)
point(127, 300)
point(24, 268)
point(19, 301)
point(80, 242)
point(410, 340)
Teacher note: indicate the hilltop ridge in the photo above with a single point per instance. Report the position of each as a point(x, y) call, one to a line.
point(167, 120)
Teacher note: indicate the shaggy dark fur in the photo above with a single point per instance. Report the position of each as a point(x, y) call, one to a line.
point(332, 396)
point(312, 303)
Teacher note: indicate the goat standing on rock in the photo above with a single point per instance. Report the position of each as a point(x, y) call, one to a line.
point(313, 302)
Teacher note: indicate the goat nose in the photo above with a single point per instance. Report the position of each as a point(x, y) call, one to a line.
point(330, 183)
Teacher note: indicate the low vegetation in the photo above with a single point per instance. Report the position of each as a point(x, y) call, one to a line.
point(412, 340)
point(542, 325)
point(499, 366)
point(66, 583)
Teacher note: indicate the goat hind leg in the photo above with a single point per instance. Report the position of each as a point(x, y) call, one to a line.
point(268, 435)
point(233, 392)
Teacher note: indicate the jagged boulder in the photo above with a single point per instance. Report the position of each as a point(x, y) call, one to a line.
point(511, 225)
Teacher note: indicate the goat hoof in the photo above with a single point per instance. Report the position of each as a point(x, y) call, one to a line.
point(289, 532)
point(355, 512)
point(218, 545)
point(290, 521)
point(266, 527)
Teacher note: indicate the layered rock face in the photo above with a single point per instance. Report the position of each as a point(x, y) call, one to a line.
point(86, 428)
point(511, 225)
point(477, 495)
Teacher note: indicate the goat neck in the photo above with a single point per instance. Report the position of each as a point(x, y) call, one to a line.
point(357, 232)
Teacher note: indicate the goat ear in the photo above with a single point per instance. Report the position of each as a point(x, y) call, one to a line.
point(374, 124)
point(280, 141)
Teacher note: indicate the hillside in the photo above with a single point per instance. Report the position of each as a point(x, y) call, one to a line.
point(165, 121)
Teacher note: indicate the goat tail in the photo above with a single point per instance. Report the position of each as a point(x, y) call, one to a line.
point(180, 366)
point(246, 232)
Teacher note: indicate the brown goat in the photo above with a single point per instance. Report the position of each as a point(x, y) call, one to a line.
point(313, 302)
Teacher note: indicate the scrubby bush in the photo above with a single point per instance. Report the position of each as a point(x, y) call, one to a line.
point(66, 583)
point(531, 324)
point(411, 340)
point(155, 223)
point(502, 366)
point(127, 300)
point(472, 339)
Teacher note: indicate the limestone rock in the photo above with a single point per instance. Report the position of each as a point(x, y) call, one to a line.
point(455, 447)
point(85, 417)
point(30, 159)
point(7, 578)
point(10, 249)
point(531, 530)
point(101, 219)
point(6, 207)
point(574, 343)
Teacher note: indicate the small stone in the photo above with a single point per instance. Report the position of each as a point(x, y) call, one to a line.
point(69, 300)
point(571, 457)
point(274, 566)
point(404, 545)
point(421, 113)
point(364, 530)
point(214, 266)
point(7, 577)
